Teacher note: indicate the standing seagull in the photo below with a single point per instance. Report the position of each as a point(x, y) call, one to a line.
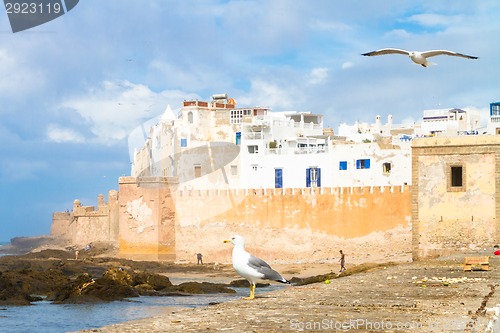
point(251, 268)
point(420, 58)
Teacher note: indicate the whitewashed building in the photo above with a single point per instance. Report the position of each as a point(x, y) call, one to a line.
point(215, 145)
point(493, 126)
point(452, 122)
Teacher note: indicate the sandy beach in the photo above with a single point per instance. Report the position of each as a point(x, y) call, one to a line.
point(434, 295)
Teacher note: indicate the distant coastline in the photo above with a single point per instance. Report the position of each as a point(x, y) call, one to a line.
point(23, 245)
point(2, 248)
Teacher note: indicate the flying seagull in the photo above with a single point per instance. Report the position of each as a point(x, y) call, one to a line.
point(252, 268)
point(420, 58)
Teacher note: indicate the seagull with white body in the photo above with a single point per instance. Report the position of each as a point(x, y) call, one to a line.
point(252, 268)
point(419, 58)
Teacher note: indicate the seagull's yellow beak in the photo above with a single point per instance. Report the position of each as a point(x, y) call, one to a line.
point(227, 241)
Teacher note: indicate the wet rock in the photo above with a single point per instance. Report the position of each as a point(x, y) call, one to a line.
point(150, 281)
point(202, 288)
point(43, 282)
point(245, 284)
point(56, 275)
point(84, 289)
point(14, 291)
point(144, 286)
point(118, 275)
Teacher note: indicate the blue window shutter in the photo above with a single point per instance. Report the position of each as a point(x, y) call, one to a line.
point(278, 178)
point(343, 165)
point(358, 164)
point(318, 177)
point(308, 177)
point(367, 164)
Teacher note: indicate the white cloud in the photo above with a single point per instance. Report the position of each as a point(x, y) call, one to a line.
point(114, 108)
point(432, 20)
point(192, 77)
point(347, 65)
point(318, 75)
point(60, 135)
point(398, 33)
point(17, 78)
point(268, 94)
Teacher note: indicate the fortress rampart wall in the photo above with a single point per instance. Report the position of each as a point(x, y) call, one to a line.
point(150, 218)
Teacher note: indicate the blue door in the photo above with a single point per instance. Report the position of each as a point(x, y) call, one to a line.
point(313, 177)
point(238, 138)
point(278, 178)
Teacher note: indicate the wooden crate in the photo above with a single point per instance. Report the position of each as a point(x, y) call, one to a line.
point(476, 264)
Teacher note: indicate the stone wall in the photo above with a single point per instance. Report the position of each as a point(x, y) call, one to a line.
point(85, 224)
point(294, 224)
point(60, 225)
point(149, 218)
point(146, 219)
point(448, 219)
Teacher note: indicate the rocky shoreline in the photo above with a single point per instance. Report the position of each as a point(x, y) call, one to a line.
point(57, 276)
point(434, 295)
point(427, 296)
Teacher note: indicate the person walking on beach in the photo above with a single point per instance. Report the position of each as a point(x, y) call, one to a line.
point(199, 256)
point(342, 261)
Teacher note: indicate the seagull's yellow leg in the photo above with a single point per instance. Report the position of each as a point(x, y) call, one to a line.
point(252, 292)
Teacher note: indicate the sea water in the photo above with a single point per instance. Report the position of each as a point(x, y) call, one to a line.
point(45, 317)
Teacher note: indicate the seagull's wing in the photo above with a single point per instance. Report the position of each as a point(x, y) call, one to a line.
point(263, 268)
point(433, 53)
point(386, 51)
point(257, 263)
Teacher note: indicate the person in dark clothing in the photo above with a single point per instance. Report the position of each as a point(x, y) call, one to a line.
point(342, 261)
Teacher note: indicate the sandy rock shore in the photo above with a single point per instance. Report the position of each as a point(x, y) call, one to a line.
point(426, 296)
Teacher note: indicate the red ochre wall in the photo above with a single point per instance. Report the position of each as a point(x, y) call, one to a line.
point(149, 218)
point(343, 212)
point(177, 224)
point(146, 219)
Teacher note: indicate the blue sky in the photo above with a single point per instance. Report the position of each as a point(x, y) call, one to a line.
point(73, 89)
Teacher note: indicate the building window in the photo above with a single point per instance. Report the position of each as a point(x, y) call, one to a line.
point(456, 178)
point(254, 167)
point(197, 171)
point(234, 170)
point(278, 178)
point(494, 109)
point(253, 149)
point(363, 164)
point(343, 165)
point(236, 115)
point(386, 167)
point(184, 142)
point(190, 117)
point(313, 177)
